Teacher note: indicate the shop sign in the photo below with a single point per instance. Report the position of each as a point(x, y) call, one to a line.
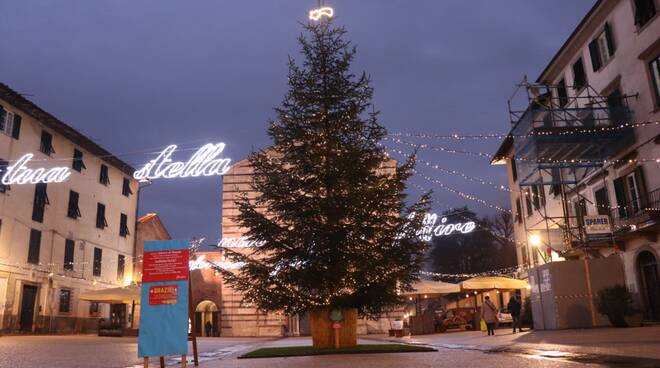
point(597, 224)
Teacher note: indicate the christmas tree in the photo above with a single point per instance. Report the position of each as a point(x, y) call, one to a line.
point(331, 219)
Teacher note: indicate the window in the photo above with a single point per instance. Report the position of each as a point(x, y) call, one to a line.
point(616, 108)
point(94, 310)
point(40, 202)
point(101, 223)
point(78, 163)
point(601, 49)
point(518, 211)
point(103, 177)
point(602, 201)
point(562, 93)
point(579, 77)
point(34, 247)
point(644, 11)
point(73, 210)
point(123, 225)
point(3, 169)
point(580, 211)
point(46, 143)
point(65, 301)
point(10, 123)
point(514, 170)
point(69, 248)
point(98, 257)
point(654, 66)
point(536, 197)
point(555, 189)
point(121, 264)
point(126, 187)
point(525, 256)
point(528, 202)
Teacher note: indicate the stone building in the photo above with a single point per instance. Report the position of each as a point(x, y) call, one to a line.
point(62, 238)
point(582, 156)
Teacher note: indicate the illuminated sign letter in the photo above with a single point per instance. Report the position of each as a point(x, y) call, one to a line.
point(204, 162)
point(19, 173)
point(316, 14)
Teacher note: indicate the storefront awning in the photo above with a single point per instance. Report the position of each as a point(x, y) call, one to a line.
point(427, 287)
point(493, 282)
point(125, 295)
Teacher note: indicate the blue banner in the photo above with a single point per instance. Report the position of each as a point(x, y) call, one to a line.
point(164, 303)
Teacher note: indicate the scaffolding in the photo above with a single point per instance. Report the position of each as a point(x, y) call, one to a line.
point(559, 140)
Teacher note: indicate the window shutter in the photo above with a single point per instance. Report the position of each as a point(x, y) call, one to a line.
point(610, 39)
point(595, 55)
point(16, 129)
point(2, 117)
point(620, 192)
point(641, 186)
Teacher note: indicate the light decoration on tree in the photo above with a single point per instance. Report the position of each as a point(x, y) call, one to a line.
point(319, 13)
point(19, 173)
point(204, 162)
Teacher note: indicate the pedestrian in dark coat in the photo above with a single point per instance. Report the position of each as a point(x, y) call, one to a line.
point(514, 308)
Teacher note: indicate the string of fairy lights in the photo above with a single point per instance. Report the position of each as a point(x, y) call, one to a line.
point(570, 131)
point(547, 160)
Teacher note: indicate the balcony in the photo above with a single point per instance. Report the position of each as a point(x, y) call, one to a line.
point(638, 214)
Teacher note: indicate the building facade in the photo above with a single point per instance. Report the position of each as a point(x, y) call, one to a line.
point(582, 156)
point(60, 239)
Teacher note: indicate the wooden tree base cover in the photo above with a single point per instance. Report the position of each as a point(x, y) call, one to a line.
point(323, 333)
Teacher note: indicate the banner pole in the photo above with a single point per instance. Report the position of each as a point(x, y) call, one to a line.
point(191, 314)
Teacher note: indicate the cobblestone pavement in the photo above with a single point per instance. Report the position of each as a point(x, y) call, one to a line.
point(594, 348)
point(100, 352)
point(643, 342)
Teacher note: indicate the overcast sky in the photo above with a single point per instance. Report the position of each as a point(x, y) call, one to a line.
point(148, 73)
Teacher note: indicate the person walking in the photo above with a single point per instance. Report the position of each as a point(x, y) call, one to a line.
point(209, 328)
point(514, 308)
point(489, 315)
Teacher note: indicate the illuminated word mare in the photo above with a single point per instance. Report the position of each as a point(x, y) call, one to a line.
point(429, 228)
point(204, 162)
point(19, 173)
point(240, 242)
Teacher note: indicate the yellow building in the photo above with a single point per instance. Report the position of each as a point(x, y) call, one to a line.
point(60, 239)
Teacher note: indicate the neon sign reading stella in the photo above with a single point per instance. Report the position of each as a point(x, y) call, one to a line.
point(19, 173)
point(204, 162)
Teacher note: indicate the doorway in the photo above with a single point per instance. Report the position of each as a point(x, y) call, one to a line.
point(27, 308)
point(650, 284)
point(207, 319)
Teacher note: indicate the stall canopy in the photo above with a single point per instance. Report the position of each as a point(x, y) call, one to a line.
point(493, 282)
point(122, 295)
point(427, 287)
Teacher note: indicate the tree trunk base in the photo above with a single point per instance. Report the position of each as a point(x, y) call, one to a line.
point(323, 334)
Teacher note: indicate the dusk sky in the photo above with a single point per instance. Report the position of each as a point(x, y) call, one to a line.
point(140, 75)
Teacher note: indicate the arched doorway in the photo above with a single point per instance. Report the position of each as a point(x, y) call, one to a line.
point(207, 319)
point(649, 283)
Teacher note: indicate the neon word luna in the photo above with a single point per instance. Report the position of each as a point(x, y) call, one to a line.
point(204, 162)
point(19, 173)
point(317, 14)
point(429, 229)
